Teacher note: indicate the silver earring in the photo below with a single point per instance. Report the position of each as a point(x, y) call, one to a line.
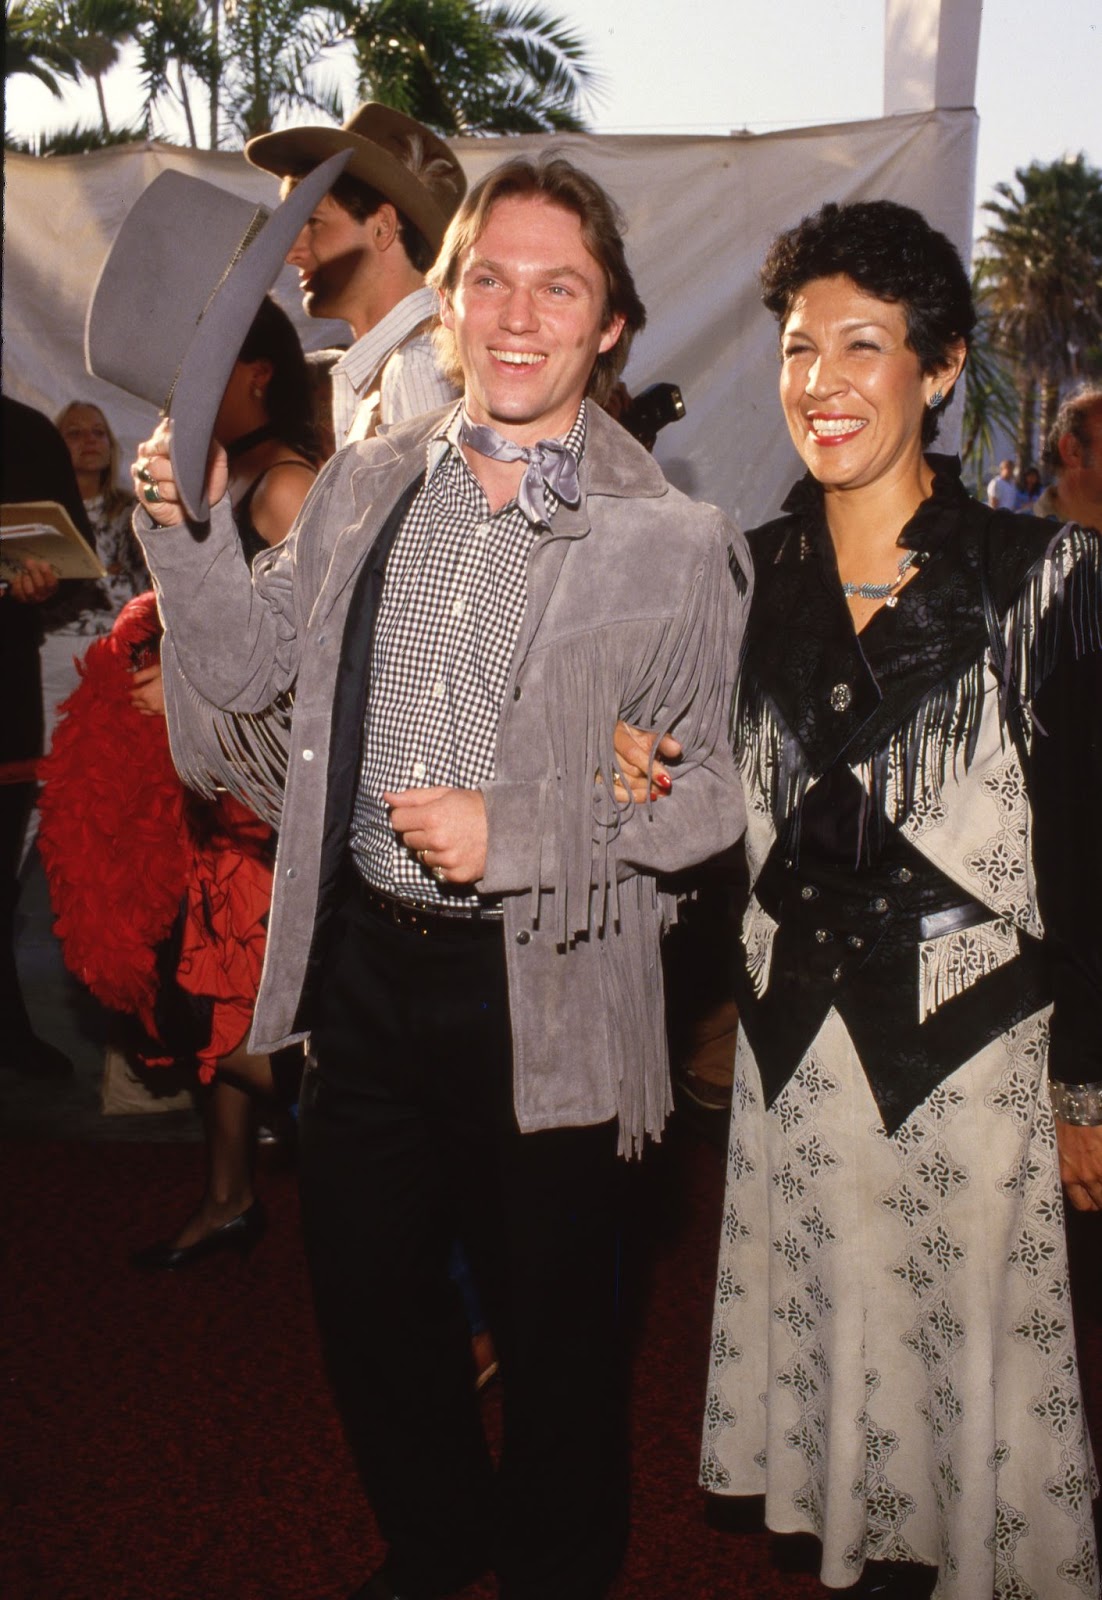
point(935, 399)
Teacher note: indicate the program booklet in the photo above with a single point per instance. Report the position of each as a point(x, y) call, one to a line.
point(45, 530)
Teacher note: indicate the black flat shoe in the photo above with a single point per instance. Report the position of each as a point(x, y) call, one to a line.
point(240, 1233)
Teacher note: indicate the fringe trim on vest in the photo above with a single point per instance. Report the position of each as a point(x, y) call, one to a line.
point(1059, 603)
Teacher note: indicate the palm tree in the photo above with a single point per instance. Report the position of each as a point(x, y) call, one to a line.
point(470, 66)
point(460, 66)
point(1042, 267)
point(93, 32)
point(990, 402)
point(271, 52)
point(78, 140)
point(175, 48)
point(32, 46)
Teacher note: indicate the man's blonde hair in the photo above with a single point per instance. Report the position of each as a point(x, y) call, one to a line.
point(559, 182)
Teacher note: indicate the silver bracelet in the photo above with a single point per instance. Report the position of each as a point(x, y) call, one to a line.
point(1080, 1103)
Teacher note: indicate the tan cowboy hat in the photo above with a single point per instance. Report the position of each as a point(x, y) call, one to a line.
point(405, 161)
point(177, 295)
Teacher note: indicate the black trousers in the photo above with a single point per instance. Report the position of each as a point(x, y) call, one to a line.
point(409, 1141)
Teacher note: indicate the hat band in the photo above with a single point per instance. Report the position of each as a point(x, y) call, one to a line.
point(256, 222)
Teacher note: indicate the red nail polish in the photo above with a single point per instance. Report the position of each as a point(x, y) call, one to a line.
point(663, 781)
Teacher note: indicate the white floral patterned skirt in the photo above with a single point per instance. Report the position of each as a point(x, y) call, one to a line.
point(893, 1362)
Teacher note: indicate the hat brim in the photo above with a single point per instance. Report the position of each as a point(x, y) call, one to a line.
point(292, 150)
point(211, 351)
point(212, 354)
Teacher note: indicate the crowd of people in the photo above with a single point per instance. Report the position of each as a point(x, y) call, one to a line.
point(449, 711)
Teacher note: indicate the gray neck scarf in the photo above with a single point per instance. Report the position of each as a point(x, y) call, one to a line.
point(550, 466)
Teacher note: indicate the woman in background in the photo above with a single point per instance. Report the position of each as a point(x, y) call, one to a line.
point(196, 997)
point(95, 455)
point(1030, 489)
point(85, 608)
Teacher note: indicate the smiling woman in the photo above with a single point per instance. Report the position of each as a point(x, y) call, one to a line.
point(921, 955)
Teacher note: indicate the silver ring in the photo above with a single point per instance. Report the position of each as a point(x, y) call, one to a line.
point(422, 856)
point(151, 493)
point(143, 473)
point(439, 874)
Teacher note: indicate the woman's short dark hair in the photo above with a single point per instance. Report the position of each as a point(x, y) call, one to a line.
point(889, 251)
point(272, 337)
point(560, 183)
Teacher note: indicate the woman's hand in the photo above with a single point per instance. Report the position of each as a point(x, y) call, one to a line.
point(147, 691)
point(37, 582)
point(633, 748)
point(155, 485)
point(1080, 1151)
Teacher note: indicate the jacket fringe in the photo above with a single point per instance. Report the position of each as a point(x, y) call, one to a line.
point(243, 753)
point(679, 665)
point(1058, 607)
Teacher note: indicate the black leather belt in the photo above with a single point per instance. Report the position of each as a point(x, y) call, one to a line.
point(454, 921)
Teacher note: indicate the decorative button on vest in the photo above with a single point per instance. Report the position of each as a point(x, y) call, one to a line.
point(841, 696)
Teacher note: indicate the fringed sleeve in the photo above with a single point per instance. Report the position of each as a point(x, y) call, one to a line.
point(569, 835)
point(1055, 646)
point(230, 653)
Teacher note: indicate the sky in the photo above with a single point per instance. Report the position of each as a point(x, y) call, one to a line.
point(713, 66)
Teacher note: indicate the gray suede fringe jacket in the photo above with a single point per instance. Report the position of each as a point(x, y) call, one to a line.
point(636, 605)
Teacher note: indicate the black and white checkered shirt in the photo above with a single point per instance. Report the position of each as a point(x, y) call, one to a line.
point(453, 600)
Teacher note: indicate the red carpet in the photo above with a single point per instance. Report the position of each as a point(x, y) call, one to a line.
point(172, 1439)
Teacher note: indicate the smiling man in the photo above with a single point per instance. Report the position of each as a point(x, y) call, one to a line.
point(466, 917)
point(363, 253)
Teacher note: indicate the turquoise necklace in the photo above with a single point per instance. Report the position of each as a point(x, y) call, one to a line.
point(882, 591)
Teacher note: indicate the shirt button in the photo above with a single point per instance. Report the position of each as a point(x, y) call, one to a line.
point(308, 755)
point(516, 692)
point(482, 530)
point(292, 872)
point(419, 769)
point(809, 892)
point(524, 937)
point(841, 696)
point(438, 689)
point(457, 607)
point(880, 904)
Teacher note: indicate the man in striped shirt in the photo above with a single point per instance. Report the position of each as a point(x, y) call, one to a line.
point(363, 254)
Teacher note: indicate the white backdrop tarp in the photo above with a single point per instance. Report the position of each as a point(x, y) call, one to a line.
point(701, 212)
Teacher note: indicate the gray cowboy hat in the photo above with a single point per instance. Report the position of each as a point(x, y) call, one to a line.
point(407, 163)
point(177, 295)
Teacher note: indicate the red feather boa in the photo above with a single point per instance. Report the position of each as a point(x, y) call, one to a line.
point(121, 853)
point(112, 823)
